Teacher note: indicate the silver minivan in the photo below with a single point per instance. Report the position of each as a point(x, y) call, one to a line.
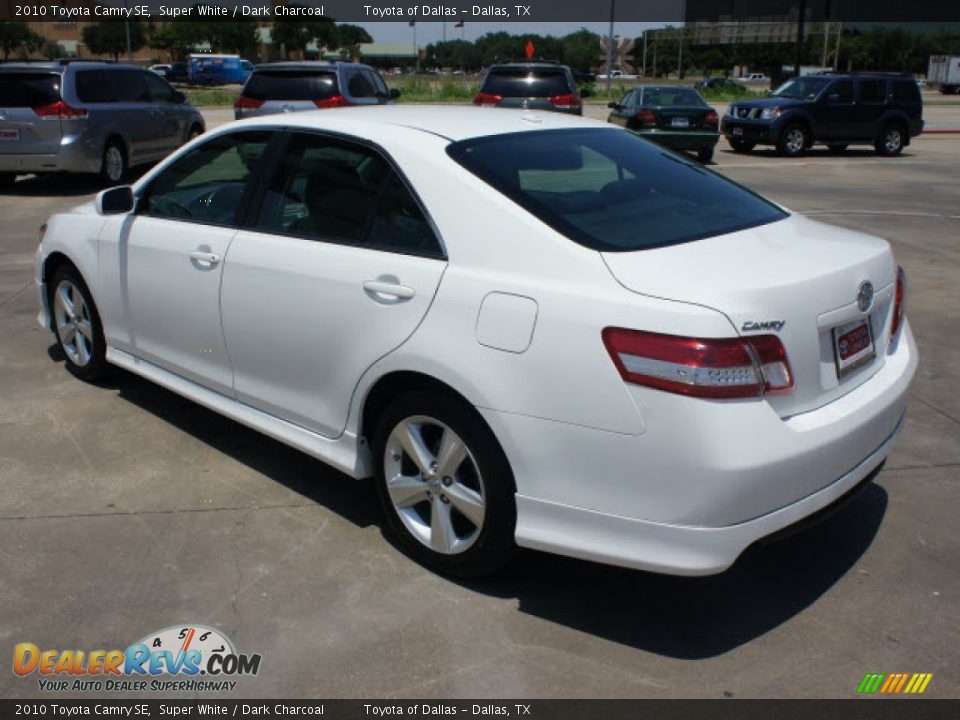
point(294, 86)
point(88, 117)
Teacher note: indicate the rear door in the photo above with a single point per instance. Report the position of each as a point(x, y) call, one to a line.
point(27, 125)
point(337, 269)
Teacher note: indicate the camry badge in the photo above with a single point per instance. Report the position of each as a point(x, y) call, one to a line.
point(753, 325)
point(865, 296)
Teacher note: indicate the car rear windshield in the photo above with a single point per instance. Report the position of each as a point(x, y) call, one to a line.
point(609, 190)
point(526, 82)
point(672, 97)
point(291, 85)
point(27, 90)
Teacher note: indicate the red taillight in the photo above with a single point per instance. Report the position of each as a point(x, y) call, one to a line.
point(899, 304)
point(709, 368)
point(332, 102)
point(486, 99)
point(646, 117)
point(565, 102)
point(59, 109)
point(246, 103)
point(711, 119)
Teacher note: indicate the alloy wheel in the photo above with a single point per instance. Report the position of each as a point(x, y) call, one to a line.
point(796, 140)
point(113, 162)
point(434, 484)
point(74, 327)
point(892, 141)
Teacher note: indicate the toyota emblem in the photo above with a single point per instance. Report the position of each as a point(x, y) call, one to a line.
point(865, 296)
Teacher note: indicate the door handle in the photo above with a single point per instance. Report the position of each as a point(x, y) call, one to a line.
point(401, 292)
point(205, 257)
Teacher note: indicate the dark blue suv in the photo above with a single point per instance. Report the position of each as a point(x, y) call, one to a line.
point(831, 109)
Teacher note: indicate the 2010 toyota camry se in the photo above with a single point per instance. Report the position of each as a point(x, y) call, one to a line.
point(533, 330)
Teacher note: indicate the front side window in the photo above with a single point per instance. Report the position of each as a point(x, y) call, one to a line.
point(209, 183)
point(333, 190)
point(160, 91)
point(804, 88)
point(610, 190)
point(841, 92)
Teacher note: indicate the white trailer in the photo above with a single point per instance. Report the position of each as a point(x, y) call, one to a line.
point(944, 70)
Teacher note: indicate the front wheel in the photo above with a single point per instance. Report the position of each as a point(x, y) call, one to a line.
point(76, 323)
point(794, 141)
point(444, 484)
point(705, 155)
point(890, 141)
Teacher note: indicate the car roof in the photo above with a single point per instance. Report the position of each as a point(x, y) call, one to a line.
point(451, 123)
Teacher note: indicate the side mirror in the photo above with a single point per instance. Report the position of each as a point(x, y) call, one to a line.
point(179, 97)
point(613, 105)
point(395, 93)
point(115, 201)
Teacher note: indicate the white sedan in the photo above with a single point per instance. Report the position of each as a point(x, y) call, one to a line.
point(534, 330)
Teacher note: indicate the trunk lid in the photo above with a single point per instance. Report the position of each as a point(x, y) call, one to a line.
point(678, 119)
point(798, 272)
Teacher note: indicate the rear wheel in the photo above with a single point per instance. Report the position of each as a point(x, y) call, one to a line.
point(793, 141)
point(837, 148)
point(113, 168)
point(890, 141)
point(742, 146)
point(705, 155)
point(195, 132)
point(444, 484)
point(77, 324)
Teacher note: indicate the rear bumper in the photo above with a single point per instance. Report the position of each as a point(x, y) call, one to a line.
point(704, 480)
point(77, 153)
point(679, 140)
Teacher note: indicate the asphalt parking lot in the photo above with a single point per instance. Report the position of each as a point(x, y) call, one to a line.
point(126, 509)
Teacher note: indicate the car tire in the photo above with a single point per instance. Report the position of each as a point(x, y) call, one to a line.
point(794, 141)
point(705, 155)
point(837, 148)
point(455, 516)
point(195, 132)
point(76, 324)
point(890, 141)
point(113, 166)
point(742, 146)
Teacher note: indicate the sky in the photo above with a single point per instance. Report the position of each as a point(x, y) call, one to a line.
point(428, 32)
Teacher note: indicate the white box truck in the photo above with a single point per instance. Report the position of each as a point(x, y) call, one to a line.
point(944, 70)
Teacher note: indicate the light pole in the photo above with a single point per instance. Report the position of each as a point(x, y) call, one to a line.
point(126, 3)
point(613, 4)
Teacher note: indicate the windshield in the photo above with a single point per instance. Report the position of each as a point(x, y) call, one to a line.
point(19, 89)
point(291, 85)
point(523, 82)
point(609, 190)
point(805, 88)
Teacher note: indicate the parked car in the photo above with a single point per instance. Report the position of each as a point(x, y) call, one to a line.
point(295, 86)
point(675, 117)
point(88, 117)
point(758, 78)
point(721, 84)
point(161, 70)
point(836, 110)
point(218, 69)
point(179, 72)
point(549, 334)
point(530, 86)
point(617, 75)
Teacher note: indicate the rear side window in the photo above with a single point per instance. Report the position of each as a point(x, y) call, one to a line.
point(524, 82)
point(209, 183)
point(906, 93)
point(610, 190)
point(130, 85)
point(93, 86)
point(291, 85)
point(359, 84)
point(873, 92)
point(28, 90)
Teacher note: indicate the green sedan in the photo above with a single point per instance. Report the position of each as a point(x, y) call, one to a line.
point(675, 117)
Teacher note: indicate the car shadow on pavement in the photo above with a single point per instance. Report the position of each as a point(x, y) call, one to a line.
point(853, 153)
point(695, 618)
point(685, 618)
point(64, 185)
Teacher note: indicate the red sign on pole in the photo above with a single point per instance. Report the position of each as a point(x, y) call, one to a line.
point(529, 49)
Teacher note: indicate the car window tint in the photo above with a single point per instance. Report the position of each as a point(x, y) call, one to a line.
point(359, 84)
point(160, 91)
point(93, 86)
point(906, 93)
point(379, 86)
point(610, 190)
point(291, 85)
point(524, 82)
point(843, 89)
point(672, 97)
point(207, 185)
point(399, 224)
point(323, 188)
point(19, 89)
point(873, 92)
point(129, 85)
